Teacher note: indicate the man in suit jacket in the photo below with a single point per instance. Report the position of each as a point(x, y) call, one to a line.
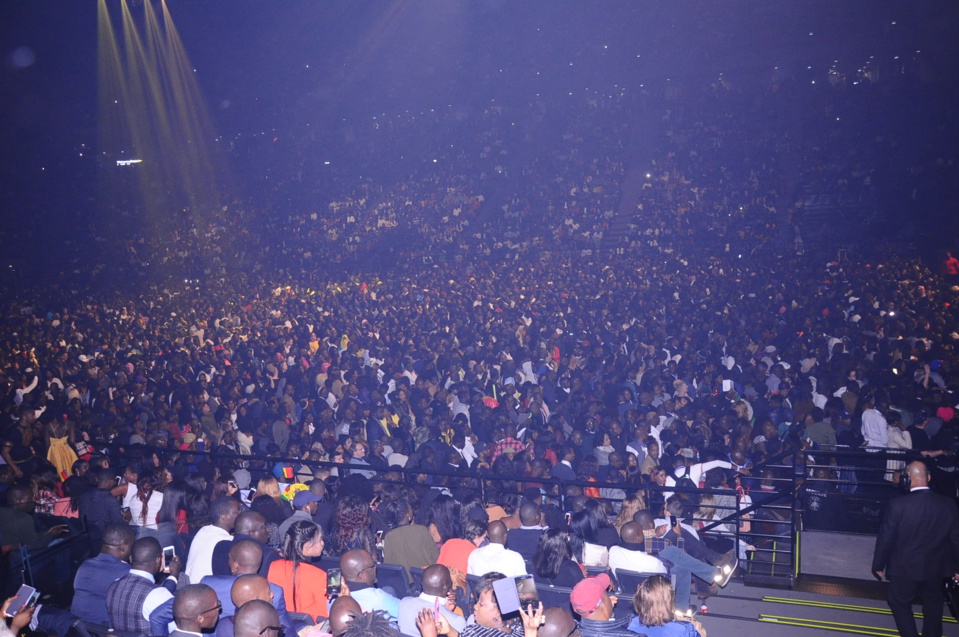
point(133, 598)
point(564, 468)
point(195, 607)
point(95, 575)
point(245, 559)
point(525, 539)
point(917, 548)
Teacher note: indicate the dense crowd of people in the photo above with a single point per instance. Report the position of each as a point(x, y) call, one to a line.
point(448, 406)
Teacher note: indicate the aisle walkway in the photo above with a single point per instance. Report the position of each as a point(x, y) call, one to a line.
point(760, 612)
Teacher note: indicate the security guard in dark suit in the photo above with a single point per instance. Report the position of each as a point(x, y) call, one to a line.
point(917, 548)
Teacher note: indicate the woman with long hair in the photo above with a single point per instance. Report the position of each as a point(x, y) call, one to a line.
point(350, 526)
point(630, 506)
point(656, 615)
point(605, 533)
point(445, 519)
point(552, 563)
point(146, 503)
point(304, 585)
point(171, 526)
point(584, 543)
point(269, 502)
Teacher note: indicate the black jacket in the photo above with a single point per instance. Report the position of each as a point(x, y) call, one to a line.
point(919, 538)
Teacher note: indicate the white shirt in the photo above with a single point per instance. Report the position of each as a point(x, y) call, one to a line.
point(495, 558)
point(875, 429)
point(154, 503)
point(638, 561)
point(199, 561)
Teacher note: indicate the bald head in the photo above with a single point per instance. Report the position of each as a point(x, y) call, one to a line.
point(245, 557)
point(343, 611)
point(246, 588)
point(496, 532)
point(358, 566)
point(918, 474)
point(557, 622)
point(254, 618)
point(632, 533)
point(437, 580)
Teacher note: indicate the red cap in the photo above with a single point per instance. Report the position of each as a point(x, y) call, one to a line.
point(588, 594)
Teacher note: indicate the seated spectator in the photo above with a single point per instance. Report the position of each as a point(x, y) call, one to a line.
point(223, 513)
point(630, 553)
point(246, 558)
point(558, 622)
point(359, 573)
point(249, 525)
point(304, 585)
point(525, 539)
point(133, 598)
point(406, 543)
point(350, 526)
point(250, 587)
point(437, 589)
point(343, 611)
point(552, 563)
point(495, 557)
point(656, 614)
point(196, 610)
point(455, 552)
point(96, 574)
point(583, 540)
point(595, 607)
point(256, 618)
point(304, 506)
point(370, 624)
point(17, 526)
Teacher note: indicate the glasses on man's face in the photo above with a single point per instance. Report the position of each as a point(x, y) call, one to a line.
point(367, 568)
point(216, 608)
point(277, 629)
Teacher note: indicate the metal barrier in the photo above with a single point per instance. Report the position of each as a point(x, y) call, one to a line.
point(770, 526)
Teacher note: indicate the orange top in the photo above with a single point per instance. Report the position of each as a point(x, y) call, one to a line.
point(455, 553)
point(310, 595)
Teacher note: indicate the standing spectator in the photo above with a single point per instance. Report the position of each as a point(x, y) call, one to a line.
point(98, 505)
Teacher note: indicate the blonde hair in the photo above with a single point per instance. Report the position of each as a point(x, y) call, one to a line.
point(707, 507)
point(653, 601)
point(741, 409)
point(268, 486)
point(630, 506)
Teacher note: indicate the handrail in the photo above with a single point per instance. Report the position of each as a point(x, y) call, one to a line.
point(480, 476)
